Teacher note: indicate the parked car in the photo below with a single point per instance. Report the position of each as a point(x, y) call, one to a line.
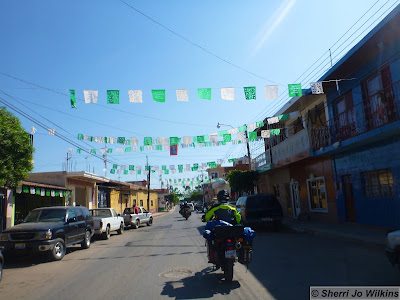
point(106, 220)
point(260, 209)
point(393, 247)
point(50, 229)
point(135, 220)
point(191, 206)
point(1, 265)
point(232, 203)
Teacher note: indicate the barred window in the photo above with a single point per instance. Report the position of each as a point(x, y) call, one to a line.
point(378, 183)
point(317, 194)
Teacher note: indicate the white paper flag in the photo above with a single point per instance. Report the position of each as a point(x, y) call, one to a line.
point(120, 150)
point(251, 127)
point(204, 165)
point(182, 95)
point(271, 92)
point(132, 172)
point(265, 134)
point(135, 96)
point(241, 137)
point(316, 88)
point(33, 130)
point(138, 167)
point(213, 137)
point(187, 140)
point(161, 141)
point(134, 141)
point(52, 132)
point(70, 150)
point(233, 131)
point(91, 96)
point(166, 147)
point(42, 192)
point(32, 190)
point(273, 120)
point(228, 94)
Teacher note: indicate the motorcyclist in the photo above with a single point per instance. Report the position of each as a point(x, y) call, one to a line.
point(184, 206)
point(222, 211)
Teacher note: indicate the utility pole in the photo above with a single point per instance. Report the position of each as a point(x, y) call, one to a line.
point(148, 184)
point(68, 158)
point(105, 160)
point(248, 147)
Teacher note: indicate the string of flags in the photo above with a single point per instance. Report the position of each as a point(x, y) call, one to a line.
point(234, 135)
point(182, 95)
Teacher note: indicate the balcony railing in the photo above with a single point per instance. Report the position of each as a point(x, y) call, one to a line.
point(262, 160)
point(375, 111)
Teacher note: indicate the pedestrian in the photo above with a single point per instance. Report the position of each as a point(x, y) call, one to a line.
point(135, 209)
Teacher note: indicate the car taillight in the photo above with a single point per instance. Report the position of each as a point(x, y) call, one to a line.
point(101, 224)
point(131, 216)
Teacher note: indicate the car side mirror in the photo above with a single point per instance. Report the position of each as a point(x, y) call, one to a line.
point(119, 215)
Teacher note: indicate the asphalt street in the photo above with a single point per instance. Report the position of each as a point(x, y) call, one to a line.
point(168, 260)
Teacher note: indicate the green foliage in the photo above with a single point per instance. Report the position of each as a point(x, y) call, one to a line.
point(173, 198)
point(242, 181)
point(15, 150)
point(196, 196)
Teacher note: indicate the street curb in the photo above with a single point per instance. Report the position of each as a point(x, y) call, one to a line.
point(334, 235)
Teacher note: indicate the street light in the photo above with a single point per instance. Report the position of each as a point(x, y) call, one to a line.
point(247, 141)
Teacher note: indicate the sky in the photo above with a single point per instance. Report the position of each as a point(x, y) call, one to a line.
point(49, 47)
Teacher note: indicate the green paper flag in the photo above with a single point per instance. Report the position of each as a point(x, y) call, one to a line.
point(166, 172)
point(153, 171)
point(57, 194)
point(207, 144)
point(112, 171)
point(196, 165)
point(232, 159)
point(227, 138)
point(242, 128)
point(252, 136)
point(164, 168)
point(180, 167)
point(250, 93)
point(115, 166)
point(221, 133)
point(212, 164)
point(79, 151)
point(112, 97)
point(92, 139)
point(125, 172)
point(260, 124)
point(121, 140)
point(275, 131)
point(80, 136)
point(141, 148)
point(195, 168)
point(204, 94)
point(128, 149)
point(131, 167)
point(93, 151)
point(200, 139)
point(139, 172)
point(109, 150)
point(73, 100)
point(148, 141)
point(158, 95)
point(283, 117)
point(48, 193)
point(173, 141)
point(158, 147)
point(294, 90)
point(37, 191)
point(147, 168)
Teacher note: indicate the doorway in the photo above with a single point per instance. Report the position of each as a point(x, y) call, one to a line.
point(348, 198)
point(295, 195)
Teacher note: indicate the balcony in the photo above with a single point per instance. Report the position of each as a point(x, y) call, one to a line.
point(263, 161)
point(373, 112)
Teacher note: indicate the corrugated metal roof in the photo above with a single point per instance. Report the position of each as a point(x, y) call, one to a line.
point(41, 185)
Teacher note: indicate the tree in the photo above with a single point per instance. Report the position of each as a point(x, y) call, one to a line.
point(15, 150)
point(242, 181)
point(196, 196)
point(173, 198)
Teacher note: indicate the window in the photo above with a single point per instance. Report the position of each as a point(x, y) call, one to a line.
point(80, 215)
point(151, 202)
point(134, 202)
point(214, 175)
point(317, 194)
point(378, 183)
point(141, 202)
point(276, 191)
point(71, 215)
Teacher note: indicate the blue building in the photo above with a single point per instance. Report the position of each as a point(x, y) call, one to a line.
point(362, 134)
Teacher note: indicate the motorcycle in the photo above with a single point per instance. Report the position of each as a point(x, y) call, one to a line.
point(185, 212)
point(227, 244)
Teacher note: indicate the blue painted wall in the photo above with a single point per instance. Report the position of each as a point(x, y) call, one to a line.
point(384, 211)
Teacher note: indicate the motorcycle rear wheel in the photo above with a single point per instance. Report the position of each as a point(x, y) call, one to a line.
point(228, 270)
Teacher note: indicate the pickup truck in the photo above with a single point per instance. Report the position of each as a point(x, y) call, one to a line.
point(105, 221)
point(135, 220)
point(393, 247)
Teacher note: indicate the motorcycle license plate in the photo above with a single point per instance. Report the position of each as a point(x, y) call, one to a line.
point(230, 253)
point(266, 219)
point(19, 246)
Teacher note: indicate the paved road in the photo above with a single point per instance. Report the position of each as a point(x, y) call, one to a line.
point(168, 260)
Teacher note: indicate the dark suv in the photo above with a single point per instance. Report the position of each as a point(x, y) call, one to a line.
point(50, 229)
point(260, 209)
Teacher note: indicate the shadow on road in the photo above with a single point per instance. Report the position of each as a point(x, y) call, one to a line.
point(203, 284)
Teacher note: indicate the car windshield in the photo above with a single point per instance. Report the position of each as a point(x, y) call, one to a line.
point(46, 215)
point(128, 210)
point(101, 212)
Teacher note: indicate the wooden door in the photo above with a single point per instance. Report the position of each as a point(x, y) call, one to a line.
point(348, 198)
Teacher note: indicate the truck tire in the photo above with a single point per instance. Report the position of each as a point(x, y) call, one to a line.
point(58, 252)
point(135, 225)
point(150, 222)
point(121, 229)
point(87, 241)
point(106, 235)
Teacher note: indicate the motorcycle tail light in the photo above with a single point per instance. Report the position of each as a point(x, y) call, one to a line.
point(229, 240)
point(240, 240)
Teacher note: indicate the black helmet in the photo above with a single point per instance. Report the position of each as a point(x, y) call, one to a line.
point(223, 196)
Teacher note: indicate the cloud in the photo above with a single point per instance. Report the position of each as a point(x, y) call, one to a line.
point(272, 24)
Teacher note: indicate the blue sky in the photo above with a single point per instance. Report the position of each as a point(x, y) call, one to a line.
point(104, 45)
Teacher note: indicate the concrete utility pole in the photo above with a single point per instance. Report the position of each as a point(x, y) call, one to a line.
point(248, 147)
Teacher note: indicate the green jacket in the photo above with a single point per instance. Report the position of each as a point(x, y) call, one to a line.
point(221, 212)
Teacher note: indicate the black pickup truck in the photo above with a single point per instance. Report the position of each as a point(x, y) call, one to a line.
point(50, 229)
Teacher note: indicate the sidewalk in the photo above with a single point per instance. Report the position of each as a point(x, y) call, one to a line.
point(352, 232)
point(161, 213)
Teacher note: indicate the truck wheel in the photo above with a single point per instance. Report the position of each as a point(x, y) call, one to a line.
point(86, 242)
point(121, 229)
point(150, 222)
point(58, 252)
point(107, 234)
point(135, 225)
